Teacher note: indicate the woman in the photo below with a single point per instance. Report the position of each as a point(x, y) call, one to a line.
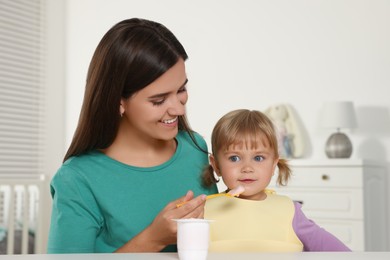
point(133, 156)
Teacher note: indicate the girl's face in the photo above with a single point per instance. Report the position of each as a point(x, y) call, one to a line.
point(249, 167)
point(152, 113)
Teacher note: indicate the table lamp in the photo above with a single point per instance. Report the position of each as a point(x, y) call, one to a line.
point(338, 114)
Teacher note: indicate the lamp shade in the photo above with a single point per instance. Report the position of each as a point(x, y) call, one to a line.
point(338, 114)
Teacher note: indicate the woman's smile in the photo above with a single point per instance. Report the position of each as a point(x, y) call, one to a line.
point(170, 122)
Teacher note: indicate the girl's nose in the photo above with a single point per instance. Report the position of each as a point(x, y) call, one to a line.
point(247, 168)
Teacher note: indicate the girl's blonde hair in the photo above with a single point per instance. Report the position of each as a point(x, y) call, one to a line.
point(245, 127)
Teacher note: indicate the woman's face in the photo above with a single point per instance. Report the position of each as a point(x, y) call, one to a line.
point(153, 111)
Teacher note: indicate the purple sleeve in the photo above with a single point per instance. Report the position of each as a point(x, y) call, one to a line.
point(313, 237)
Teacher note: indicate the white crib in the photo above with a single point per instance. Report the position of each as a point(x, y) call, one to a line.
point(20, 213)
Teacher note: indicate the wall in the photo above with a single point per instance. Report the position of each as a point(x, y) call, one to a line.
point(54, 103)
point(252, 54)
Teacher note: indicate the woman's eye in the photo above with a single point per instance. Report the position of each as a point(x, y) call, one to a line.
point(259, 158)
point(183, 89)
point(158, 102)
point(234, 158)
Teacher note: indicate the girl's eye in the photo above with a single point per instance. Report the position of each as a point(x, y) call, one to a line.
point(234, 158)
point(259, 158)
point(158, 102)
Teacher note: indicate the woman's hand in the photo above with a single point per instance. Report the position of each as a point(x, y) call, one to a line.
point(162, 231)
point(164, 228)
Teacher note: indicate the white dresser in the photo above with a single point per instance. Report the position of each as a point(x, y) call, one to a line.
point(347, 197)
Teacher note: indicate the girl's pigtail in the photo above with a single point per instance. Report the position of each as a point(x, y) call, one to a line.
point(208, 176)
point(284, 172)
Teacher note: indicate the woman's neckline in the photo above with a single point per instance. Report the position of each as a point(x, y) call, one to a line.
point(162, 164)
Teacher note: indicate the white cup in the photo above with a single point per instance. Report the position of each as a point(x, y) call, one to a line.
point(193, 238)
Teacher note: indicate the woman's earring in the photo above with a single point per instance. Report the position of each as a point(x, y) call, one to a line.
point(121, 111)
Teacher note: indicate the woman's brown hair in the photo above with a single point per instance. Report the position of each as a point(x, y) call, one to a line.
point(130, 56)
point(246, 126)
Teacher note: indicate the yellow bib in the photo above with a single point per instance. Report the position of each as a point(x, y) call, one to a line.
point(249, 225)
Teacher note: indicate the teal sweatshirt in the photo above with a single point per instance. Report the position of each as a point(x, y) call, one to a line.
point(99, 203)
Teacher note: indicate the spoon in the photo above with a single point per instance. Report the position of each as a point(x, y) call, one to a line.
point(232, 193)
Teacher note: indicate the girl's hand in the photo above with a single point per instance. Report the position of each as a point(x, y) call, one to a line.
point(164, 229)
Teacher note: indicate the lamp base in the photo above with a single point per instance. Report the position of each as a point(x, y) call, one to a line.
point(338, 146)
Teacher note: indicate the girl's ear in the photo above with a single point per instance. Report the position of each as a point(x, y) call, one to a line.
point(214, 164)
point(274, 165)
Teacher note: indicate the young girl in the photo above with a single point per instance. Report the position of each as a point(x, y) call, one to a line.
point(245, 153)
point(133, 156)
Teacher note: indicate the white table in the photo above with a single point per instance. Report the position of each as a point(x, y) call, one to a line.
point(211, 256)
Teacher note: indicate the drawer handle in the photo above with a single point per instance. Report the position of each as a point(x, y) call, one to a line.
point(325, 177)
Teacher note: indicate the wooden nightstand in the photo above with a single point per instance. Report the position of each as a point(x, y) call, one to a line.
point(347, 197)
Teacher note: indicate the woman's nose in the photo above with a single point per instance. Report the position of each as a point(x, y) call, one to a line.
point(176, 108)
